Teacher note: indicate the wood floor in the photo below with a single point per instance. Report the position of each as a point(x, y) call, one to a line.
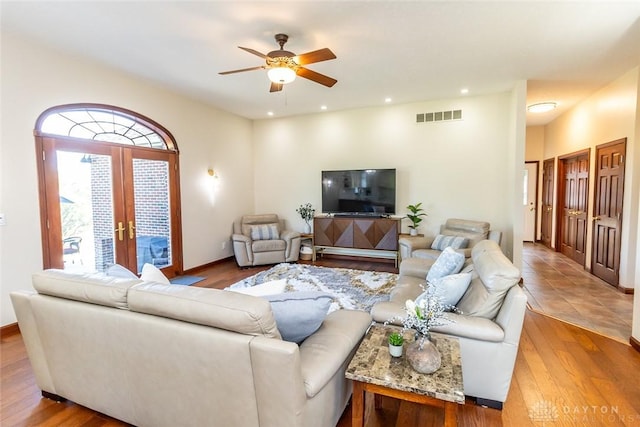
point(564, 376)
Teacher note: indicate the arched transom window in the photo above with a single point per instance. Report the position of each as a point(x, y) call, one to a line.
point(103, 123)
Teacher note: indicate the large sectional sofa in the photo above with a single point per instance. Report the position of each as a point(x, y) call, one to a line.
point(489, 326)
point(157, 355)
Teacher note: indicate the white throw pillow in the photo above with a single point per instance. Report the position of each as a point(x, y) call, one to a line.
point(449, 262)
point(151, 273)
point(267, 288)
point(456, 242)
point(451, 288)
point(116, 270)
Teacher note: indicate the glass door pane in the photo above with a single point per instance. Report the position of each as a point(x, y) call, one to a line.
point(152, 212)
point(86, 210)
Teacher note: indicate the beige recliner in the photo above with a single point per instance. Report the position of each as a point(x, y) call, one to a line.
point(472, 231)
point(262, 239)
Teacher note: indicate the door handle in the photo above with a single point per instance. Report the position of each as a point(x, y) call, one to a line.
point(120, 231)
point(596, 218)
point(132, 234)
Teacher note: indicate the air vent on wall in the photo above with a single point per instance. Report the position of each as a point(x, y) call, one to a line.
point(439, 116)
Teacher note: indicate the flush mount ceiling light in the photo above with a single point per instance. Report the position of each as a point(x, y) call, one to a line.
point(542, 107)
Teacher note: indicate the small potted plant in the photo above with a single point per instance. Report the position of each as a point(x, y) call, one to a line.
point(306, 213)
point(415, 217)
point(395, 344)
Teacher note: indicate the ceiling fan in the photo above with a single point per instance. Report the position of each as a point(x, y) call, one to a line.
point(283, 66)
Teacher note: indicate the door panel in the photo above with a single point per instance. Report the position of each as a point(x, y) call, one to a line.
point(529, 202)
point(607, 215)
point(574, 193)
point(547, 203)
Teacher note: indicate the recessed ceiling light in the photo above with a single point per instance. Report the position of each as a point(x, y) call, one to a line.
point(387, 100)
point(542, 107)
point(270, 113)
point(464, 91)
point(323, 107)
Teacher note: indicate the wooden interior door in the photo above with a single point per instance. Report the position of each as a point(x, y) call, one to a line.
point(607, 212)
point(546, 218)
point(574, 191)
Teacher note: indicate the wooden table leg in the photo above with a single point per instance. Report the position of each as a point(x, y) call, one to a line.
point(450, 414)
point(357, 405)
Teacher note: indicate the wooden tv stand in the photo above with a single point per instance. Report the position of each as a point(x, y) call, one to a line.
point(359, 235)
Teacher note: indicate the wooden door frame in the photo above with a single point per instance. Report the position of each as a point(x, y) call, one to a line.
point(535, 203)
point(560, 191)
point(47, 187)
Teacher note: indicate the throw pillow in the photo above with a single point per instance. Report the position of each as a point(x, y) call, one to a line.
point(273, 287)
point(299, 314)
point(456, 242)
point(450, 288)
point(449, 262)
point(151, 273)
point(264, 232)
point(116, 270)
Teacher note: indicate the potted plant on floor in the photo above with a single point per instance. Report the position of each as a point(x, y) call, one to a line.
point(416, 212)
point(395, 344)
point(306, 213)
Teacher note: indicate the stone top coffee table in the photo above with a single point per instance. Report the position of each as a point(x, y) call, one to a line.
point(372, 369)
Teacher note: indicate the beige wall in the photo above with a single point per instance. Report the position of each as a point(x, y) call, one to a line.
point(607, 115)
point(456, 169)
point(35, 78)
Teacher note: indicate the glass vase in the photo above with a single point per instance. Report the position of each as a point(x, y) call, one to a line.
point(423, 355)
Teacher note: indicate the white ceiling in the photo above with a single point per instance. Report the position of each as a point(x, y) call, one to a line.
point(408, 51)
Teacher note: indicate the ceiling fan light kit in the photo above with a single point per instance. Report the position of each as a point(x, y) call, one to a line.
point(283, 66)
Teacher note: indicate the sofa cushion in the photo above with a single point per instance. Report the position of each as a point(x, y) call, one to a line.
point(496, 275)
point(449, 262)
point(299, 314)
point(442, 241)
point(268, 245)
point(93, 288)
point(264, 232)
point(232, 311)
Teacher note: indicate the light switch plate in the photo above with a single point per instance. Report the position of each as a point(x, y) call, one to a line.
point(3, 221)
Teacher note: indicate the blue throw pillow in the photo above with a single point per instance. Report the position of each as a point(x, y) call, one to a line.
point(265, 232)
point(456, 242)
point(450, 288)
point(449, 262)
point(299, 314)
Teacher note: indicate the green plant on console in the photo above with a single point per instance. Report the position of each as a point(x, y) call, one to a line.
point(396, 339)
point(415, 216)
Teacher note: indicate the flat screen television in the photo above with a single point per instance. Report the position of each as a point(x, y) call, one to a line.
point(370, 192)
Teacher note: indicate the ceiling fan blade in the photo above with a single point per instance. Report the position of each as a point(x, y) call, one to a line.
point(275, 87)
point(255, 52)
point(241, 70)
point(316, 77)
point(315, 56)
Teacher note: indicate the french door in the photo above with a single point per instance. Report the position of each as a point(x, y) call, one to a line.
point(104, 203)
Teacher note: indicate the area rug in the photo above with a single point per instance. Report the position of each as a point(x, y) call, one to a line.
point(351, 289)
point(185, 280)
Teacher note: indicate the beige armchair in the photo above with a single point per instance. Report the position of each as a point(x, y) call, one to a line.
point(262, 239)
point(473, 231)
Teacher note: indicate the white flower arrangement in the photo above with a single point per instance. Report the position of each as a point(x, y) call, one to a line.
point(306, 212)
point(424, 313)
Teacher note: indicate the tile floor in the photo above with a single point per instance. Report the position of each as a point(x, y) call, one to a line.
point(559, 287)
